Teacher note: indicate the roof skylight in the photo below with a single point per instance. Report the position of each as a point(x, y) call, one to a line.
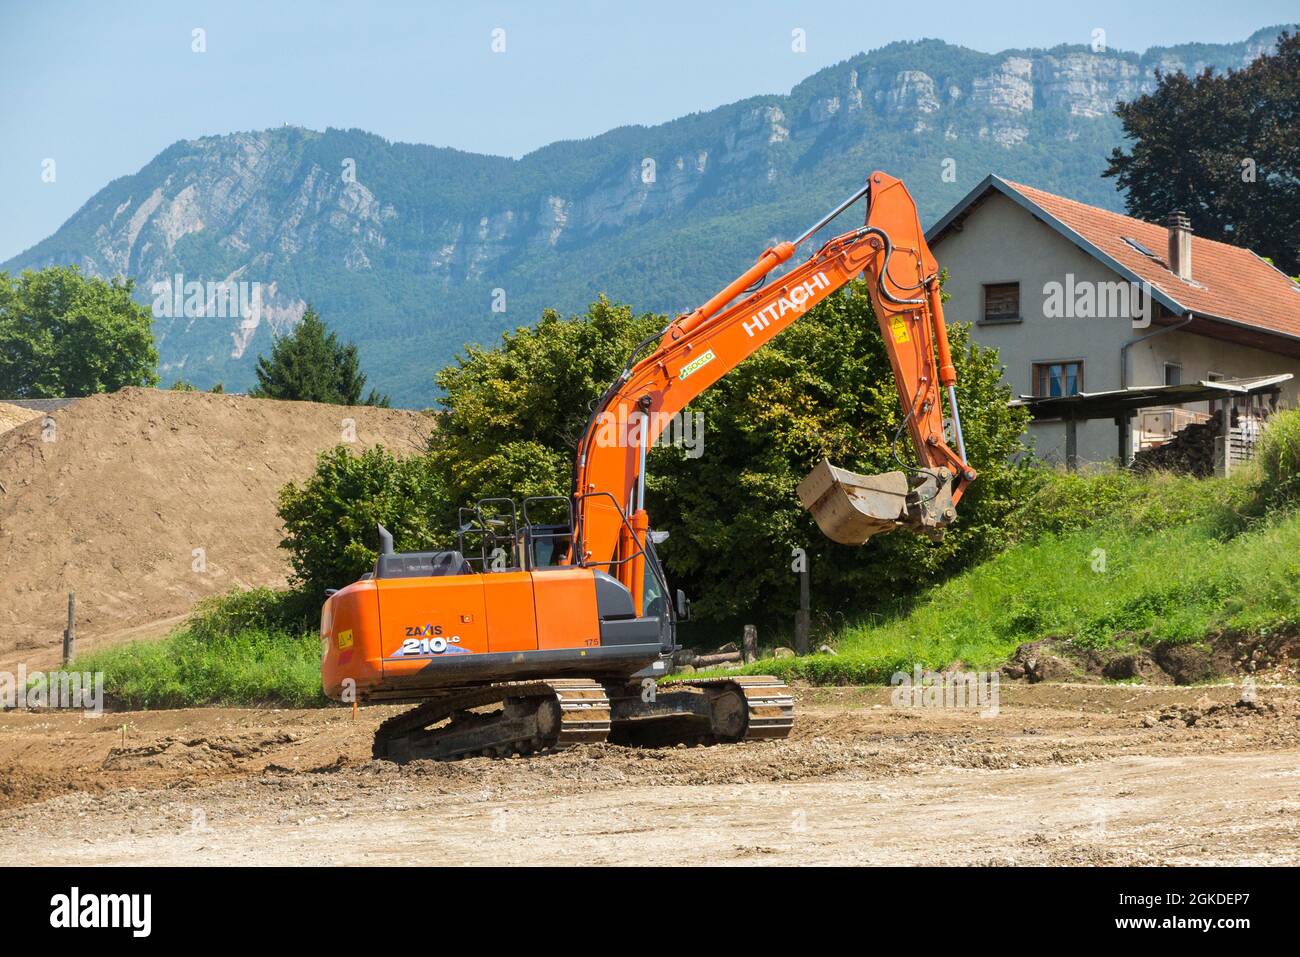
point(1139, 247)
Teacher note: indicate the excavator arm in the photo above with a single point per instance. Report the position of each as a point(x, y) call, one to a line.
point(700, 347)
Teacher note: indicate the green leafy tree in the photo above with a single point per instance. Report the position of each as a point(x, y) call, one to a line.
point(823, 388)
point(329, 520)
point(1225, 149)
point(311, 365)
point(514, 413)
point(65, 334)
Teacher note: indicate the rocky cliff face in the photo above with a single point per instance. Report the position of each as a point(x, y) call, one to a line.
point(411, 249)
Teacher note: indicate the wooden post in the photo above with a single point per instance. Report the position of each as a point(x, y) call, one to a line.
point(1071, 444)
point(751, 644)
point(69, 635)
point(803, 621)
point(1223, 444)
point(1124, 420)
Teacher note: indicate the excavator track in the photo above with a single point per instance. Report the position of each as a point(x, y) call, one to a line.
point(701, 711)
point(544, 715)
point(534, 716)
point(769, 702)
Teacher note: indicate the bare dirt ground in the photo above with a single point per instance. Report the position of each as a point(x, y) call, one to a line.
point(1063, 774)
point(113, 498)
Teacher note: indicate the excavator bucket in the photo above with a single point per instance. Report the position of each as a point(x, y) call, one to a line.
point(850, 508)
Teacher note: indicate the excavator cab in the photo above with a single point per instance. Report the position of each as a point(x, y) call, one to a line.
point(500, 535)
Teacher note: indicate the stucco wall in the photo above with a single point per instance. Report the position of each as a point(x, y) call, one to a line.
point(1199, 356)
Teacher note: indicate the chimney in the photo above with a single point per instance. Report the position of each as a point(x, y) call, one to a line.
point(1180, 244)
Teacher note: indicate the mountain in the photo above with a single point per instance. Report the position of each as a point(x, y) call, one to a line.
point(413, 251)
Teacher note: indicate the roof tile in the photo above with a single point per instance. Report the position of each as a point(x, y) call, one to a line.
point(1228, 282)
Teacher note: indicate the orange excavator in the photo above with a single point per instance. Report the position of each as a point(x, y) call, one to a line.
point(551, 623)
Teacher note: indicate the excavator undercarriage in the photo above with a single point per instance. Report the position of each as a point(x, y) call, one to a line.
point(534, 716)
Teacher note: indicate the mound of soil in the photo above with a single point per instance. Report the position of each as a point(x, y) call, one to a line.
point(144, 501)
point(12, 415)
point(1218, 656)
point(1219, 715)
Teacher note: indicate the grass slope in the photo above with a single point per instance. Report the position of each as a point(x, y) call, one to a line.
point(1168, 560)
point(245, 648)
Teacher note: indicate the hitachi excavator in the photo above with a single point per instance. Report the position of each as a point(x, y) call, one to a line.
point(551, 623)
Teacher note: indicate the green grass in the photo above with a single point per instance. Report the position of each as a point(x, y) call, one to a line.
point(1165, 559)
point(246, 648)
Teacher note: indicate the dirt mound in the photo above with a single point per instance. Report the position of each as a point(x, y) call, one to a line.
point(1206, 713)
point(144, 501)
point(202, 752)
point(12, 415)
point(1220, 655)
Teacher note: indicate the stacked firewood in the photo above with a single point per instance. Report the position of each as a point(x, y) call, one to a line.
point(1191, 451)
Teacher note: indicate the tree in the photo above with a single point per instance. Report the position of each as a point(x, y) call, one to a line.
point(823, 388)
point(311, 365)
point(1225, 149)
point(329, 520)
point(514, 413)
point(65, 334)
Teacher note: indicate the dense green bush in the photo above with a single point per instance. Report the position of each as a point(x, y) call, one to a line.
point(1279, 458)
point(255, 609)
point(330, 519)
point(515, 412)
point(1058, 502)
point(823, 389)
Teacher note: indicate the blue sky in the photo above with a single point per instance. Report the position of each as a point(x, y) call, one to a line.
point(102, 88)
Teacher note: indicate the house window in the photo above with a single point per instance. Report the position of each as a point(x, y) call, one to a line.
point(1052, 379)
point(1001, 301)
point(1173, 373)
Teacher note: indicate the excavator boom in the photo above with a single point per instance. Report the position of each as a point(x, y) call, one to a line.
point(700, 347)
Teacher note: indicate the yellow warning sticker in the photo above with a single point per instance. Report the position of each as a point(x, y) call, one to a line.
point(899, 325)
point(345, 639)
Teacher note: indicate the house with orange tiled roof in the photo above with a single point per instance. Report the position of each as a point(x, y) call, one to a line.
point(1079, 299)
